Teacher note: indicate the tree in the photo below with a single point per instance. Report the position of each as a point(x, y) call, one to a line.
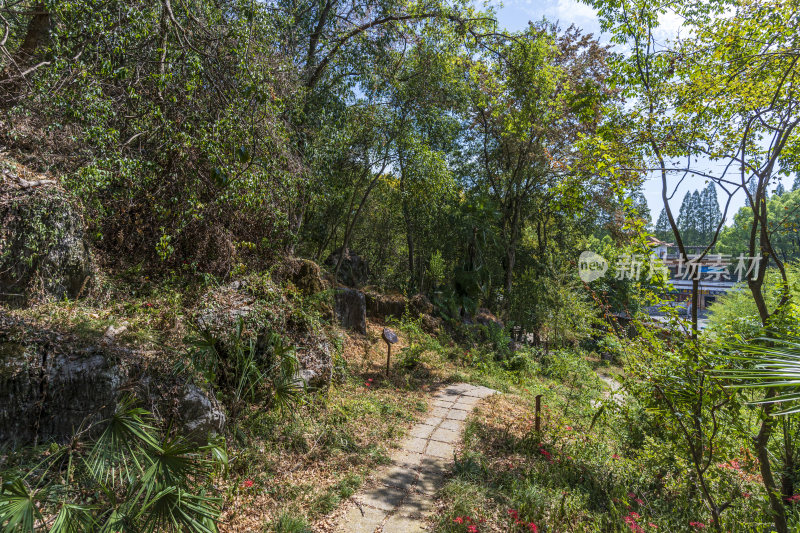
point(780, 190)
point(662, 229)
point(533, 97)
point(710, 214)
point(727, 92)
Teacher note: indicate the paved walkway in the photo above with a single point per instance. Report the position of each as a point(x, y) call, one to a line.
point(405, 489)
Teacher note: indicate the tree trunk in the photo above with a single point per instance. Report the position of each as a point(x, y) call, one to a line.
point(12, 78)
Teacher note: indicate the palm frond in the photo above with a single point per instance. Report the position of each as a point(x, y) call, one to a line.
point(18, 510)
point(73, 519)
point(775, 365)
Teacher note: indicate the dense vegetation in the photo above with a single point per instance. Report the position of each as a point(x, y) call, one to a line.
point(210, 144)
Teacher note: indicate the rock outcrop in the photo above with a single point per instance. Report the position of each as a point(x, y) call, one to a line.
point(51, 387)
point(396, 305)
point(304, 274)
point(43, 246)
point(354, 271)
point(351, 309)
point(222, 309)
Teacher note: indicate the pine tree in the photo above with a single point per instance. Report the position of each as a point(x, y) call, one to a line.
point(796, 183)
point(686, 219)
point(710, 214)
point(663, 230)
point(639, 206)
point(780, 190)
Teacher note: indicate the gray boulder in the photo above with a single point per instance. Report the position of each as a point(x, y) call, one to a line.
point(51, 387)
point(350, 308)
point(200, 414)
point(43, 246)
point(316, 362)
point(354, 271)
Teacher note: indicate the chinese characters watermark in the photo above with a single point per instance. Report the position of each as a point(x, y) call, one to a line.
point(710, 267)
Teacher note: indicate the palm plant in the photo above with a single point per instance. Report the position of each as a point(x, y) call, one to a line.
point(245, 371)
point(774, 365)
point(123, 478)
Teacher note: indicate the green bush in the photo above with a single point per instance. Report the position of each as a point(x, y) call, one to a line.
point(129, 478)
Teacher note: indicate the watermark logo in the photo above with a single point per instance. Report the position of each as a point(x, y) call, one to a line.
point(591, 266)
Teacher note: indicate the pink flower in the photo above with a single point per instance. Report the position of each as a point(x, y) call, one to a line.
point(458, 520)
point(568, 428)
point(697, 525)
point(472, 529)
point(652, 525)
point(248, 483)
point(793, 499)
point(634, 515)
point(615, 456)
point(639, 501)
point(532, 527)
point(631, 495)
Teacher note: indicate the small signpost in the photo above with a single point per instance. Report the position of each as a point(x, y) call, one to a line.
point(390, 338)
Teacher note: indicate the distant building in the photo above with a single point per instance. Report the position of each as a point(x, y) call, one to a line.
point(713, 273)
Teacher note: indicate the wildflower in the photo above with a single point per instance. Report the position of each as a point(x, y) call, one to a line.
point(746, 495)
point(697, 525)
point(568, 428)
point(634, 515)
point(652, 525)
point(639, 501)
point(793, 499)
point(472, 529)
point(615, 456)
point(458, 520)
point(631, 495)
point(248, 483)
point(532, 527)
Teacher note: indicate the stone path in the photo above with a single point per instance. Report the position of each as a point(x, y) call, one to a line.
point(405, 489)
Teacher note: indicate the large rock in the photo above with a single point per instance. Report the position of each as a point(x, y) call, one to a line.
point(43, 247)
point(354, 270)
point(316, 361)
point(50, 387)
point(303, 273)
point(351, 309)
point(263, 308)
point(396, 305)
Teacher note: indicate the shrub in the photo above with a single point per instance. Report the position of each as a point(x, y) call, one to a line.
point(129, 478)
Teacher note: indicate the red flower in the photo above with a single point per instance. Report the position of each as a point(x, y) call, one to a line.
point(615, 456)
point(793, 499)
point(746, 495)
point(639, 501)
point(472, 529)
point(652, 525)
point(634, 515)
point(568, 428)
point(248, 483)
point(532, 527)
point(458, 520)
point(697, 525)
point(631, 495)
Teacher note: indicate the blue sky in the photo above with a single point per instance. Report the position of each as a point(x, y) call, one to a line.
point(515, 14)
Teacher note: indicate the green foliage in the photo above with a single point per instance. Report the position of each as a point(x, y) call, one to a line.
point(246, 372)
point(119, 475)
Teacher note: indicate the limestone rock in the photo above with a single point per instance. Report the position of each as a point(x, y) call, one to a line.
point(50, 387)
point(316, 362)
point(200, 414)
point(43, 247)
point(351, 309)
point(354, 271)
point(303, 273)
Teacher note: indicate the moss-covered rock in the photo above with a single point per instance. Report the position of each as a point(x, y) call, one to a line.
point(52, 385)
point(43, 248)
